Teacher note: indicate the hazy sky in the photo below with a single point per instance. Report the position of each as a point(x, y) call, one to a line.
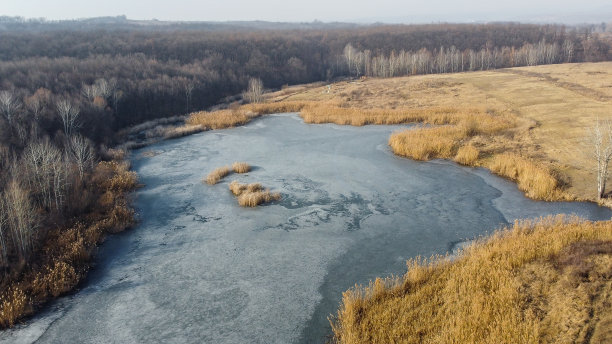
point(309, 10)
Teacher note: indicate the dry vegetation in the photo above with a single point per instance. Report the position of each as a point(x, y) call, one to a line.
point(65, 254)
point(545, 281)
point(217, 174)
point(220, 119)
point(241, 167)
point(252, 195)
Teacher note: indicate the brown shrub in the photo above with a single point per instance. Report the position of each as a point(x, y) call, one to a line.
point(217, 174)
point(119, 218)
point(241, 167)
point(13, 305)
point(55, 281)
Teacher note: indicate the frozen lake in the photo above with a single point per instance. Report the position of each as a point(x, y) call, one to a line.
point(200, 269)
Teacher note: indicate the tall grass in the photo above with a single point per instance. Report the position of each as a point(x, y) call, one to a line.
point(217, 174)
point(331, 113)
point(467, 155)
point(220, 119)
point(253, 199)
point(540, 281)
point(534, 179)
point(241, 167)
point(252, 195)
point(238, 189)
point(426, 143)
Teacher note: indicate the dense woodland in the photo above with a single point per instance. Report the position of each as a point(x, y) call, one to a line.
point(66, 89)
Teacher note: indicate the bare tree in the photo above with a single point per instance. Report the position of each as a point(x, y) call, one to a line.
point(188, 88)
point(22, 218)
point(254, 92)
point(9, 104)
point(349, 55)
point(69, 115)
point(89, 92)
point(37, 103)
point(568, 50)
point(82, 153)
point(602, 144)
point(45, 173)
point(4, 232)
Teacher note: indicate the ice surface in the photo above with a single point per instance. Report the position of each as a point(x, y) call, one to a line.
point(200, 269)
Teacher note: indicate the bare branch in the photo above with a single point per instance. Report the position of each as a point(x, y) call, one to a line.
point(69, 115)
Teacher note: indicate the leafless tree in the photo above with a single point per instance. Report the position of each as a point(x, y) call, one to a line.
point(349, 55)
point(4, 232)
point(188, 88)
point(9, 104)
point(45, 173)
point(22, 218)
point(69, 114)
point(254, 92)
point(89, 92)
point(34, 105)
point(82, 153)
point(568, 50)
point(601, 138)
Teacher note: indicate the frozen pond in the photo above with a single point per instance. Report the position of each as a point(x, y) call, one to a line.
point(200, 269)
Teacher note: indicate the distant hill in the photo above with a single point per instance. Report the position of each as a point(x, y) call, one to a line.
point(8, 23)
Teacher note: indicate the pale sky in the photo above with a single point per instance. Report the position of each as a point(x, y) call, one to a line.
point(308, 10)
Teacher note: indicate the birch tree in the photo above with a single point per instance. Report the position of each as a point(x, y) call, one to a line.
point(22, 218)
point(4, 232)
point(254, 92)
point(602, 143)
point(9, 104)
point(82, 153)
point(45, 166)
point(69, 114)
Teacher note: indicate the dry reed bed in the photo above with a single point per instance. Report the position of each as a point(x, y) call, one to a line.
point(252, 195)
point(66, 252)
point(221, 172)
point(545, 281)
point(228, 118)
point(241, 167)
point(217, 174)
point(220, 119)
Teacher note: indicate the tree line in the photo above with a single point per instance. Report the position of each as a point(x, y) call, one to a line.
point(452, 60)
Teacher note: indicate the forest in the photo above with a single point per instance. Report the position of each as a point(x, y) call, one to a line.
point(66, 89)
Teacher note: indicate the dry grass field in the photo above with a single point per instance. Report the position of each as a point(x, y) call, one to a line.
point(545, 281)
